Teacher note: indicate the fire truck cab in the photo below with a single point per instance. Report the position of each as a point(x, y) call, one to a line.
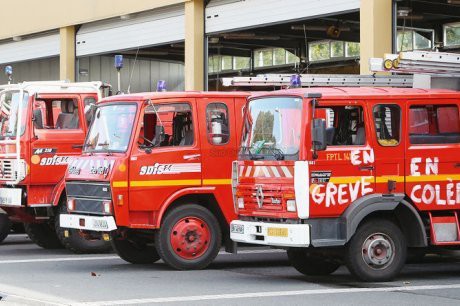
point(354, 176)
point(155, 173)
point(42, 127)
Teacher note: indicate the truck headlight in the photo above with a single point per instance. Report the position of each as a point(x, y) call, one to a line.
point(107, 207)
point(240, 202)
point(290, 205)
point(70, 204)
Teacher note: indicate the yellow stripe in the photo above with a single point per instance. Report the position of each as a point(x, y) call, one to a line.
point(433, 178)
point(350, 179)
point(386, 178)
point(159, 183)
point(217, 182)
point(119, 184)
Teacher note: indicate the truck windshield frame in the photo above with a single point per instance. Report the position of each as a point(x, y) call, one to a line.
point(112, 128)
point(272, 128)
point(9, 106)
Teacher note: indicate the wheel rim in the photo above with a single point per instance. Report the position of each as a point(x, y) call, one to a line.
point(190, 237)
point(378, 251)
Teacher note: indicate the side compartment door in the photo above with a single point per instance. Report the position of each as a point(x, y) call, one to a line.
point(345, 170)
point(432, 154)
point(166, 155)
point(218, 146)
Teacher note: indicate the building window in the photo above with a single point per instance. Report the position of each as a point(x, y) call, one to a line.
point(414, 39)
point(217, 123)
point(452, 35)
point(329, 50)
point(273, 57)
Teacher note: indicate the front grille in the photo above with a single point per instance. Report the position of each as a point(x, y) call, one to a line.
point(88, 206)
point(271, 199)
point(6, 170)
point(89, 190)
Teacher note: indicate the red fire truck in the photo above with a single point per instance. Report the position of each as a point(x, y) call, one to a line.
point(42, 127)
point(155, 173)
point(354, 176)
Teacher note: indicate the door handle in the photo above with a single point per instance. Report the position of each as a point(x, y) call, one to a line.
point(192, 156)
point(369, 168)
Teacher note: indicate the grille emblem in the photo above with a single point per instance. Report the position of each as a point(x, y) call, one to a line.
point(259, 196)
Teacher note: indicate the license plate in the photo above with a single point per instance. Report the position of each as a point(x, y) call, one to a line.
point(10, 196)
point(100, 224)
point(237, 228)
point(277, 232)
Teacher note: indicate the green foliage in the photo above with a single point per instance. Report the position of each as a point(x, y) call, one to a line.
point(263, 129)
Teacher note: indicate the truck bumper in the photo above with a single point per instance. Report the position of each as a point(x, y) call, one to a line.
point(274, 234)
point(89, 223)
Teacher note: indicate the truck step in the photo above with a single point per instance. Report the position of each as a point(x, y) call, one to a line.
point(445, 228)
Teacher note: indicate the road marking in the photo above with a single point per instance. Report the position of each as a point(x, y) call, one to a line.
point(18, 295)
point(266, 294)
point(80, 258)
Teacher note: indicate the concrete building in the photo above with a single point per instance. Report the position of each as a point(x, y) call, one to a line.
point(192, 43)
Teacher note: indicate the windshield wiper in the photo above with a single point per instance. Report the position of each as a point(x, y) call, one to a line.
point(251, 155)
point(277, 153)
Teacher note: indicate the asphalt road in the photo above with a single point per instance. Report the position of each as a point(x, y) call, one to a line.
point(34, 276)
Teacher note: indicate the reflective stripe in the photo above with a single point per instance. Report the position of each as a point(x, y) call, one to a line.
point(217, 182)
point(119, 184)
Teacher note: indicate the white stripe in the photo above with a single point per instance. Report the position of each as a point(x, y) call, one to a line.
point(57, 259)
point(233, 296)
point(241, 170)
point(256, 171)
point(275, 171)
point(265, 171)
point(248, 171)
point(286, 171)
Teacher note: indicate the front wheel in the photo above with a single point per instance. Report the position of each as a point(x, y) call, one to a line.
point(75, 241)
point(5, 226)
point(377, 251)
point(309, 264)
point(135, 250)
point(189, 238)
point(43, 234)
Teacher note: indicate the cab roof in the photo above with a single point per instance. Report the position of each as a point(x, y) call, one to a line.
point(362, 92)
point(175, 94)
point(54, 87)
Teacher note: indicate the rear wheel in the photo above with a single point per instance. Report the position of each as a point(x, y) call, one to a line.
point(189, 238)
point(135, 250)
point(377, 251)
point(43, 234)
point(76, 241)
point(5, 226)
point(311, 265)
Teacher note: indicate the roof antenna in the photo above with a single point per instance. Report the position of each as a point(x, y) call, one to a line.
point(132, 71)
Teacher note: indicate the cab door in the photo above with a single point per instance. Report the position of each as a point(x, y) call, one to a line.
point(218, 129)
point(166, 159)
point(387, 118)
point(58, 130)
point(345, 170)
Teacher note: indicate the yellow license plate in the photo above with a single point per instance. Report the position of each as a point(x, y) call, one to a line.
point(277, 232)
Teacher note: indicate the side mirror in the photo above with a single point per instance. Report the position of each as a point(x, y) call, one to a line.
point(318, 135)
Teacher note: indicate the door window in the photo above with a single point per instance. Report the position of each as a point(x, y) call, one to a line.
point(434, 124)
point(167, 125)
point(344, 125)
point(387, 120)
point(56, 114)
point(217, 123)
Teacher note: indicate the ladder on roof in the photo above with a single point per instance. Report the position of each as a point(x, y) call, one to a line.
point(321, 80)
point(423, 62)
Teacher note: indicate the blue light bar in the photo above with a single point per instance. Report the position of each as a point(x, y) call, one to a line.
point(161, 85)
point(8, 70)
point(296, 81)
point(118, 61)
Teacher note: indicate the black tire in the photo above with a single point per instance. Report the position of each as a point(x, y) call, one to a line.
point(309, 264)
point(207, 247)
point(75, 241)
point(43, 234)
point(134, 250)
point(5, 226)
point(377, 251)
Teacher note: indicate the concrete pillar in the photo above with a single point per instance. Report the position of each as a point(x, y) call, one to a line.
point(194, 45)
point(67, 54)
point(375, 31)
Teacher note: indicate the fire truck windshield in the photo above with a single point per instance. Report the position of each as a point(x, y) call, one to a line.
point(111, 128)
point(272, 129)
point(9, 112)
